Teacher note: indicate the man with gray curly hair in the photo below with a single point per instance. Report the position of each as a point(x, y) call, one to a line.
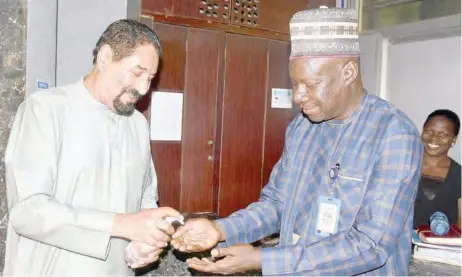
point(80, 179)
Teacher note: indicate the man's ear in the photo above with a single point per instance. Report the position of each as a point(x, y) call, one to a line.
point(350, 72)
point(104, 57)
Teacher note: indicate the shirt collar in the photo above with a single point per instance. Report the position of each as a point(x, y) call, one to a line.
point(353, 115)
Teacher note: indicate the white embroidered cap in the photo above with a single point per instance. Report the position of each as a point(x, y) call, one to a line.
point(324, 32)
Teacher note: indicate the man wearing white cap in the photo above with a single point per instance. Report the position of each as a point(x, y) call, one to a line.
point(342, 194)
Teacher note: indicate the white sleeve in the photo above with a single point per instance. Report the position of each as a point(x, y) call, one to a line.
point(150, 195)
point(31, 161)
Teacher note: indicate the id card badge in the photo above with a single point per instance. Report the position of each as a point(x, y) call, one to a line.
point(328, 216)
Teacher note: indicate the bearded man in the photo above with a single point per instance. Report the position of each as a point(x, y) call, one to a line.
point(80, 179)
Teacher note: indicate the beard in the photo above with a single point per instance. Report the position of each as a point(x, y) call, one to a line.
point(126, 109)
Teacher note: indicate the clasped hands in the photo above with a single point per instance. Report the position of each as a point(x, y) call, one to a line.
point(150, 233)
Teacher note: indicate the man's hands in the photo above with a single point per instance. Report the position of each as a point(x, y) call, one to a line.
point(138, 254)
point(198, 234)
point(147, 226)
point(148, 230)
point(150, 226)
point(201, 234)
point(238, 258)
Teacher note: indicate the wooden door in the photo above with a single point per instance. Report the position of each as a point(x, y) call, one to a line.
point(191, 64)
point(204, 80)
point(276, 120)
point(253, 131)
point(231, 135)
point(167, 155)
point(242, 123)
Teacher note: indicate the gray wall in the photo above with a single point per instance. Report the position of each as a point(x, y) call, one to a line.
point(12, 86)
point(79, 28)
point(436, 8)
point(417, 67)
point(41, 43)
point(424, 76)
point(60, 37)
point(371, 47)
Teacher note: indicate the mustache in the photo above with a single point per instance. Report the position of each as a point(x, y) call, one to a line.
point(132, 92)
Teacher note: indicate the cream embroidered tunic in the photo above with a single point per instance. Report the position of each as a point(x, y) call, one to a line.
point(71, 164)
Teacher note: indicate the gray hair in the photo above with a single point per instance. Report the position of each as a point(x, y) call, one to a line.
point(123, 36)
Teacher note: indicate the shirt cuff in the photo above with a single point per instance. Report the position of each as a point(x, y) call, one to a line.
point(231, 233)
point(279, 260)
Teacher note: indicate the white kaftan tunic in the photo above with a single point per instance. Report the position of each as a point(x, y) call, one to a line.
point(71, 164)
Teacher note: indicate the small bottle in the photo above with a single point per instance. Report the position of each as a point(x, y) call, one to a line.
point(439, 223)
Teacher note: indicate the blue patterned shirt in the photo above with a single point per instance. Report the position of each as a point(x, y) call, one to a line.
point(379, 152)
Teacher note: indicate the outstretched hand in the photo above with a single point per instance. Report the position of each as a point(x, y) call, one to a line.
point(198, 234)
point(236, 259)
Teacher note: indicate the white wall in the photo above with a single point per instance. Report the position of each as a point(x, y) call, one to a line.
point(62, 34)
point(41, 43)
point(424, 76)
point(370, 45)
point(80, 24)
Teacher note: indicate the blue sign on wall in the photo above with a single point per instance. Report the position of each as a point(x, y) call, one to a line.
point(42, 85)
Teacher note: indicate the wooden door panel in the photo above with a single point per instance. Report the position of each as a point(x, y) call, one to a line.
point(276, 120)
point(172, 66)
point(167, 155)
point(272, 15)
point(269, 15)
point(219, 121)
point(200, 98)
point(210, 10)
point(157, 6)
point(243, 115)
point(167, 161)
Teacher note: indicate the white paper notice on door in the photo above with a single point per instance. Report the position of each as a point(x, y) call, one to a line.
point(281, 98)
point(166, 116)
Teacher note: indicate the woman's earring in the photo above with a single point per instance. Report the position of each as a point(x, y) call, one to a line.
point(452, 144)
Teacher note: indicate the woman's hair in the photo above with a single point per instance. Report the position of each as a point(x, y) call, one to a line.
point(450, 115)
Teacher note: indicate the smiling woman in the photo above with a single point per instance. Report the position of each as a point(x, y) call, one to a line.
point(440, 186)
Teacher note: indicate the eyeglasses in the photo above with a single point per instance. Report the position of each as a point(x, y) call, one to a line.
point(441, 135)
